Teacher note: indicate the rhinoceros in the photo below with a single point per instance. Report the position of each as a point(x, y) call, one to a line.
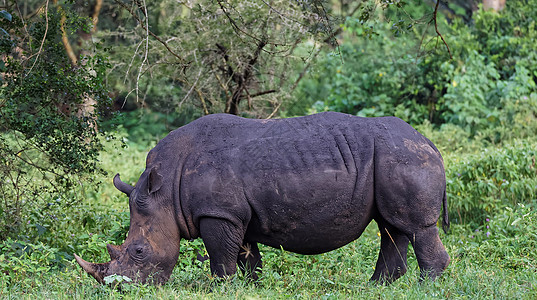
point(308, 185)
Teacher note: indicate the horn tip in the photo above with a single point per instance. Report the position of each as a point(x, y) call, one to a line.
point(90, 268)
point(80, 261)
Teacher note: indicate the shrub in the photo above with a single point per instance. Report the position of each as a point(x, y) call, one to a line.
point(487, 88)
point(482, 184)
point(50, 140)
point(24, 262)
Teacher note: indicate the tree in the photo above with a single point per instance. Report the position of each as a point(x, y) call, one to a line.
point(46, 135)
point(495, 5)
point(466, 8)
point(223, 56)
point(239, 57)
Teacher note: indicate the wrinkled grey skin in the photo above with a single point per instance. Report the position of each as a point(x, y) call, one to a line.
point(309, 184)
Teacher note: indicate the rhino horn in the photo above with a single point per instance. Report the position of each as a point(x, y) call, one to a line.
point(95, 270)
point(122, 186)
point(114, 251)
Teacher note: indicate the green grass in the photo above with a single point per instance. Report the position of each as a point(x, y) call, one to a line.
point(497, 267)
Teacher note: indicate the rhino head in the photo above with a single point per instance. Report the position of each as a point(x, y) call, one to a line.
point(151, 249)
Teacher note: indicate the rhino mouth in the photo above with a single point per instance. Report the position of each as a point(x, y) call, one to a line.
point(103, 270)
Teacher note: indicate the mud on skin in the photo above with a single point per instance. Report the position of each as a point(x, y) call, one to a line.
point(308, 184)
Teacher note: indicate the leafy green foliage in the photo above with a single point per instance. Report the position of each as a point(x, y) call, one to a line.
point(383, 84)
point(51, 114)
point(23, 262)
point(489, 82)
point(480, 185)
point(468, 99)
point(498, 265)
point(144, 127)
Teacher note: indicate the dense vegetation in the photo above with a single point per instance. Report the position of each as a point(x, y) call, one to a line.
point(478, 106)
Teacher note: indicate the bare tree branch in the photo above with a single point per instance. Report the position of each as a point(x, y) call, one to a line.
point(42, 41)
point(149, 31)
point(262, 93)
point(243, 80)
point(435, 15)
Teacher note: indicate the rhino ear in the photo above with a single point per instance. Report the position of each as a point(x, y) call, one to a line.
point(154, 182)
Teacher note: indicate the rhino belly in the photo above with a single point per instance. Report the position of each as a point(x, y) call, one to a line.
point(311, 214)
point(311, 236)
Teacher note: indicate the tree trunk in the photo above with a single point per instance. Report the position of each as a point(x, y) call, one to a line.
point(495, 5)
point(87, 107)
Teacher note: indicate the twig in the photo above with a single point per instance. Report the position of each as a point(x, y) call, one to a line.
point(275, 110)
point(132, 61)
point(262, 93)
point(301, 75)
point(149, 31)
point(283, 15)
point(191, 89)
point(145, 52)
point(235, 26)
point(436, 28)
point(42, 41)
point(421, 41)
point(23, 23)
point(202, 99)
point(223, 86)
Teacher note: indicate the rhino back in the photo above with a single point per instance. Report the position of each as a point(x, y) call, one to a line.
point(303, 183)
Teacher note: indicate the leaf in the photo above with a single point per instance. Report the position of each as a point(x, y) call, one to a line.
point(116, 278)
point(40, 229)
point(3, 32)
point(4, 14)
point(516, 221)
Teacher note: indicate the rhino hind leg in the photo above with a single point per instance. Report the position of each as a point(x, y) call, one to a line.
point(392, 260)
point(249, 260)
point(222, 240)
point(432, 257)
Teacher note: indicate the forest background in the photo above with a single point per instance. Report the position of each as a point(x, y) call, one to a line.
point(88, 87)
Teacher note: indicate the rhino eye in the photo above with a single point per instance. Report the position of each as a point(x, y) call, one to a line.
point(139, 253)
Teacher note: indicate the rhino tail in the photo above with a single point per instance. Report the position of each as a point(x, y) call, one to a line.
point(445, 217)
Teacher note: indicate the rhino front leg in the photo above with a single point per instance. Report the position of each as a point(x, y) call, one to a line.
point(249, 260)
point(430, 252)
point(222, 240)
point(392, 260)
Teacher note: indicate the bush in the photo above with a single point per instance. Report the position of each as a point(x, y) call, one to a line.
point(51, 114)
point(371, 78)
point(488, 88)
point(481, 185)
point(24, 262)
